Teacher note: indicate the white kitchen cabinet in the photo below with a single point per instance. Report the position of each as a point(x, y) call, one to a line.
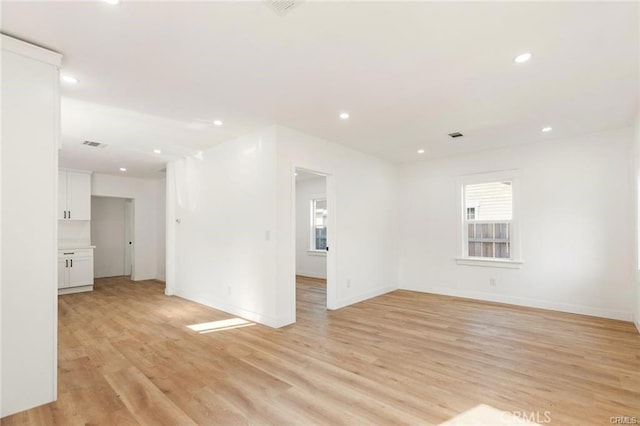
point(74, 195)
point(75, 270)
point(62, 273)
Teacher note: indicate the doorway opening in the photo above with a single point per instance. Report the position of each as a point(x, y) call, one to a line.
point(112, 233)
point(311, 229)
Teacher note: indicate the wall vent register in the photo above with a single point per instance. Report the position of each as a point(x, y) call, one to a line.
point(94, 144)
point(282, 7)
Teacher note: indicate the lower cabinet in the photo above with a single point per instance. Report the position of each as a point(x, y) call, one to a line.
point(75, 270)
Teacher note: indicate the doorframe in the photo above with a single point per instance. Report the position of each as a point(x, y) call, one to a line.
point(330, 186)
point(129, 236)
point(133, 228)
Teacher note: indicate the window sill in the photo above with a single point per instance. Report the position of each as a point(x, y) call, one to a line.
point(490, 263)
point(317, 252)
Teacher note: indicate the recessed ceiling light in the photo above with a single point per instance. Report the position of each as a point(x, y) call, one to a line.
point(547, 129)
point(295, 173)
point(112, 1)
point(522, 58)
point(157, 151)
point(69, 79)
point(122, 169)
point(344, 115)
point(217, 123)
point(421, 151)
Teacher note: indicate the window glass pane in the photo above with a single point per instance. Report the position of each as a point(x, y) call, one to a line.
point(319, 224)
point(321, 238)
point(502, 250)
point(488, 210)
point(490, 201)
point(487, 230)
point(475, 249)
point(501, 231)
point(320, 212)
point(487, 249)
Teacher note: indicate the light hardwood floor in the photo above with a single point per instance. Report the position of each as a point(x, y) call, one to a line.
point(126, 356)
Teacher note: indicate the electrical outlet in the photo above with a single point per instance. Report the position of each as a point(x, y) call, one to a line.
point(492, 282)
point(348, 283)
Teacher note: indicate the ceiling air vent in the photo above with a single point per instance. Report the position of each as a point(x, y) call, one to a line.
point(456, 135)
point(94, 144)
point(282, 7)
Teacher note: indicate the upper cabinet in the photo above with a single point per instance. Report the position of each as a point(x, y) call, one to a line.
point(74, 190)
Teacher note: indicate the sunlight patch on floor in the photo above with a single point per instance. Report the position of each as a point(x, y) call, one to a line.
point(221, 325)
point(486, 415)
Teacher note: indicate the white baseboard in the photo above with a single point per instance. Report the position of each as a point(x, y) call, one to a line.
point(311, 274)
point(138, 277)
point(361, 297)
point(71, 290)
point(274, 322)
point(531, 303)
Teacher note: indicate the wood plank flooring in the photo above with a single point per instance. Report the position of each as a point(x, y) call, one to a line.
point(126, 357)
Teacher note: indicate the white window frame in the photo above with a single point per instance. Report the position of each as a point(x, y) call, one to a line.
point(312, 227)
point(463, 258)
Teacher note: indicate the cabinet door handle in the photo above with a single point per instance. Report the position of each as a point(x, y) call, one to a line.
point(71, 260)
point(69, 214)
point(65, 214)
point(66, 263)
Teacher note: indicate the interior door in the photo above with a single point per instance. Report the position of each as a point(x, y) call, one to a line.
point(128, 237)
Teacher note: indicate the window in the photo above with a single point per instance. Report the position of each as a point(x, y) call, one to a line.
point(489, 232)
point(319, 224)
point(471, 213)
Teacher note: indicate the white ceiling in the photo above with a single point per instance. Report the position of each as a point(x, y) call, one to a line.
point(409, 73)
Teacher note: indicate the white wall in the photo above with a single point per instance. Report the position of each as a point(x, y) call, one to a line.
point(225, 250)
point(308, 264)
point(147, 207)
point(74, 232)
point(576, 207)
point(30, 125)
point(636, 158)
point(361, 192)
point(108, 235)
point(161, 261)
point(636, 266)
point(235, 244)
